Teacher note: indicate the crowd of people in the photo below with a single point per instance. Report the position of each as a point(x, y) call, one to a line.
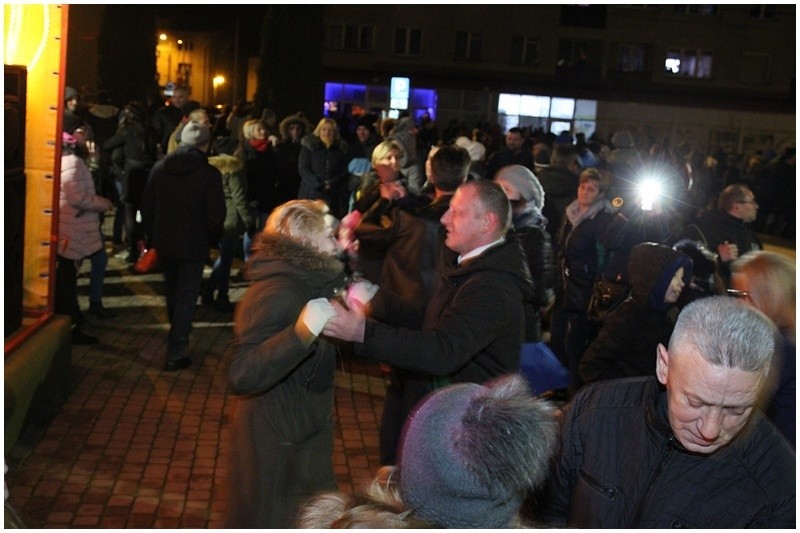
point(438, 255)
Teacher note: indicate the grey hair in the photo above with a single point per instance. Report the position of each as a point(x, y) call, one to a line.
point(727, 333)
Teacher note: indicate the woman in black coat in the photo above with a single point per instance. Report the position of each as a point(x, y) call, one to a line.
point(527, 198)
point(323, 167)
point(579, 261)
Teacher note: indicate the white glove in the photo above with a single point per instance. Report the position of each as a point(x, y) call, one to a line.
point(361, 291)
point(316, 314)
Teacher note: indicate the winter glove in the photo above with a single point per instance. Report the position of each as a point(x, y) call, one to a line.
point(361, 291)
point(315, 314)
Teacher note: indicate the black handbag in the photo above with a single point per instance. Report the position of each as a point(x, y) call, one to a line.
point(606, 296)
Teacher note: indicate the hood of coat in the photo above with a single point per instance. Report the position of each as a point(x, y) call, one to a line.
point(276, 255)
point(185, 161)
point(283, 127)
point(651, 267)
point(104, 111)
point(505, 259)
point(226, 164)
point(312, 142)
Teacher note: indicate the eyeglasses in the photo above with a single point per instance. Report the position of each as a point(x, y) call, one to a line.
point(736, 293)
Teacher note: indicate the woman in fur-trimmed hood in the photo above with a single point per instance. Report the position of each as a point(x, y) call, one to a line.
point(282, 372)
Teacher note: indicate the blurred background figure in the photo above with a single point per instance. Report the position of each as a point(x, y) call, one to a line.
point(766, 281)
point(323, 167)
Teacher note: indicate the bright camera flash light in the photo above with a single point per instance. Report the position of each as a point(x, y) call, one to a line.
point(649, 190)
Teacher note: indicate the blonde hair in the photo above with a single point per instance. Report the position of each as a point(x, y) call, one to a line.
point(325, 121)
point(249, 129)
point(298, 220)
point(771, 285)
point(383, 149)
point(380, 506)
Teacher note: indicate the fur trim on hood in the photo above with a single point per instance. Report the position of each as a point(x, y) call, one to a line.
point(268, 249)
point(226, 164)
point(298, 118)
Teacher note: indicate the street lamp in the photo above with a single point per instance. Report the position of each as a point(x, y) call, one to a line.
point(216, 81)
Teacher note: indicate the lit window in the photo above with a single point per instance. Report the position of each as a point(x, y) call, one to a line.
point(689, 63)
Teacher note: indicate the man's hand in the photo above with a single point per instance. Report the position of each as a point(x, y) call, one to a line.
point(346, 324)
point(727, 252)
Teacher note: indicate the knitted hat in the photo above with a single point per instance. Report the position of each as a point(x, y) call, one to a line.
point(524, 181)
point(195, 134)
point(471, 452)
point(70, 93)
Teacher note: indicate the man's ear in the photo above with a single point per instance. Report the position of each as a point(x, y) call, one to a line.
point(662, 363)
point(489, 221)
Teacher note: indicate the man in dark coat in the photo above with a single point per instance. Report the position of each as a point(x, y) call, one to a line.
point(727, 231)
point(183, 212)
point(687, 448)
point(474, 323)
point(413, 238)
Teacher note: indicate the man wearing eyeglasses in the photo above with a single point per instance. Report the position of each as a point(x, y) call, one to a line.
point(727, 230)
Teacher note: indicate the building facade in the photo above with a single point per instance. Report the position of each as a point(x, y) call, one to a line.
point(704, 73)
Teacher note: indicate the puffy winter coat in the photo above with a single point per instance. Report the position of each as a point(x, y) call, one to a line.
point(78, 220)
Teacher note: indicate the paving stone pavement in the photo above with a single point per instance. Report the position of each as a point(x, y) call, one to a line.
point(135, 447)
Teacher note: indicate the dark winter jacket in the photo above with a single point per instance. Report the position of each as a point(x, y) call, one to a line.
point(282, 431)
point(538, 249)
point(560, 189)
point(183, 207)
point(410, 238)
point(473, 325)
point(620, 466)
point(715, 228)
point(627, 341)
point(261, 173)
point(323, 173)
point(580, 258)
point(138, 144)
